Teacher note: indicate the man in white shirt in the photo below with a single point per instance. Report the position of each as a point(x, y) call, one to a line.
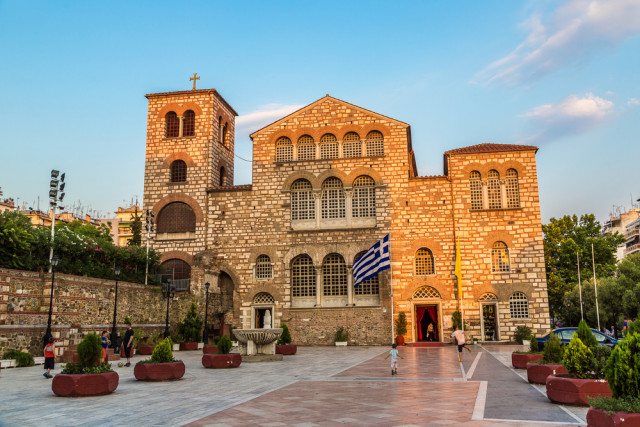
point(461, 338)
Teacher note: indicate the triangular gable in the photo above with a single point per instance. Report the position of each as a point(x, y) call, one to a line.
point(318, 102)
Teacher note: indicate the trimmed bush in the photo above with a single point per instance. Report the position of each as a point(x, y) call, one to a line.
point(628, 404)
point(456, 321)
point(552, 352)
point(633, 327)
point(89, 350)
point(191, 327)
point(22, 358)
point(533, 346)
point(285, 337)
point(11, 354)
point(162, 353)
point(577, 359)
point(342, 334)
point(224, 345)
point(599, 360)
point(623, 368)
point(586, 335)
point(522, 333)
point(401, 323)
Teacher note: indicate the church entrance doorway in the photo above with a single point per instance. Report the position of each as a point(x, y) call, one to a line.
point(262, 311)
point(489, 329)
point(427, 323)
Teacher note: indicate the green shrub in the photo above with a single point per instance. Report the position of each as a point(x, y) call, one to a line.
point(177, 339)
point(162, 353)
point(157, 337)
point(552, 352)
point(522, 333)
point(577, 359)
point(621, 404)
point(533, 347)
point(191, 327)
point(342, 335)
point(224, 345)
point(77, 368)
point(401, 323)
point(623, 368)
point(285, 337)
point(11, 354)
point(456, 321)
point(216, 339)
point(633, 327)
point(599, 360)
point(89, 350)
point(586, 335)
point(127, 320)
point(23, 359)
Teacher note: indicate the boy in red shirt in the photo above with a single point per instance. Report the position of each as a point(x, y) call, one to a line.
point(49, 358)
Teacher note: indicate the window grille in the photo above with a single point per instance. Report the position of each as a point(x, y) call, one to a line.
point(424, 262)
point(264, 269)
point(375, 144)
point(171, 125)
point(303, 277)
point(519, 306)
point(189, 123)
point(333, 199)
point(178, 171)
point(223, 176)
point(475, 188)
point(175, 269)
point(488, 297)
point(306, 148)
point(176, 217)
point(302, 202)
point(263, 298)
point(512, 189)
point(500, 257)
point(367, 287)
point(351, 145)
point(363, 203)
point(426, 292)
point(494, 191)
point(334, 276)
point(284, 150)
point(328, 147)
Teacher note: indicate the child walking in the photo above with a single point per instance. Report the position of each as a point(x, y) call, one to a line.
point(105, 344)
point(393, 353)
point(49, 357)
point(461, 338)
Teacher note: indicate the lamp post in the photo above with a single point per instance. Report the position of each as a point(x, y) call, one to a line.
point(47, 335)
point(169, 291)
point(56, 194)
point(206, 310)
point(115, 339)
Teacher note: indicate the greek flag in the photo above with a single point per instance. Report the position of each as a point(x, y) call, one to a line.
point(375, 260)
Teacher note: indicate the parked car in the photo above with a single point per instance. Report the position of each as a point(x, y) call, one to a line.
point(565, 335)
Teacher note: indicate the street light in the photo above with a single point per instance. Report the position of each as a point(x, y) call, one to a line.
point(47, 335)
point(169, 291)
point(115, 339)
point(206, 310)
point(56, 194)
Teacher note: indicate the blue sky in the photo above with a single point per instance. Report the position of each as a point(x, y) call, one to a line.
point(562, 75)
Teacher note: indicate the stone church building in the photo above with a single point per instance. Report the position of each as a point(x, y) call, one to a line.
point(329, 180)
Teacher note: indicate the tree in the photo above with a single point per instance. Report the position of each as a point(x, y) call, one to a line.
point(565, 237)
point(136, 229)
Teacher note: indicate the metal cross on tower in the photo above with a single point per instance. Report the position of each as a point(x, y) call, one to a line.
point(194, 78)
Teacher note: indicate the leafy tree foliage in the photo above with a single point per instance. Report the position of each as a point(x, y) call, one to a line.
point(552, 351)
point(136, 229)
point(577, 359)
point(586, 336)
point(191, 327)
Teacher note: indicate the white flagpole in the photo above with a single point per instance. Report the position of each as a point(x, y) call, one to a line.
point(393, 328)
point(580, 286)
point(595, 284)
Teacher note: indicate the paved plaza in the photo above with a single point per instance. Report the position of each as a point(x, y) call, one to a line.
point(320, 386)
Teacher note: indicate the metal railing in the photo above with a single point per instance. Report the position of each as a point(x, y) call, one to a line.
point(631, 249)
point(178, 285)
point(631, 233)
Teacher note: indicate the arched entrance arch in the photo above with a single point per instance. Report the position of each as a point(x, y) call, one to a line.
point(489, 325)
point(262, 303)
point(426, 315)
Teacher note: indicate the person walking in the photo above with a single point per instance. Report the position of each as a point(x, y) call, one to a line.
point(393, 353)
point(105, 344)
point(461, 338)
point(49, 357)
point(127, 342)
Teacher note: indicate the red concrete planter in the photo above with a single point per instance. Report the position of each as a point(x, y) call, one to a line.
point(400, 340)
point(210, 349)
point(159, 371)
point(186, 346)
point(85, 384)
point(145, 350)
point(575, 391)
point(538, 373)
point(599, 418)
point(520, 360)
point(221, 361)
point(287, 349)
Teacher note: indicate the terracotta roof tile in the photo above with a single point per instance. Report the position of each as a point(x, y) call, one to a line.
point(226, 188)
point(491, 148)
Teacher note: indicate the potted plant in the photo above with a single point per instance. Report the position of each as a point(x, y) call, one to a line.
point(223, 359)
point(88, 377)
point(401, 327)
point(147, 344)
point(551, 363)
point(284, 346)
point(522, 334)
point(211, 349)
point(622, 370)
point(519, 359)
point(16, 358)
point(342, 336)
point(161, 367)
point(191, 329)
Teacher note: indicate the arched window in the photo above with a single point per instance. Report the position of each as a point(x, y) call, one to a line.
point(426, 292)
point(176, 217)
point(189, 123)
point(328, 147)
point(306, 148)
point(302, 203)
point(225, 138)
point(488, 296)
point(178, 171)
point(333, 200)
point(519, 306)
point(375, 143)
point(334, 276)
point(303, 277)
point(223, 176)
point(475, 188)
point(351, 145)
point(363, 204)
point(494, 191)
point(175, 269)
point(367, 287)
point(220, 130)
point(264, 269)
point(284, 150)
point(512, 189)
point(171, 125)
point(263, 298)
point(424, 264)
point(500, 257)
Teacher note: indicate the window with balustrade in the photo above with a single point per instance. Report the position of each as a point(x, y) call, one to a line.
point(178, 171)
point(189, 123)
point(363, 202)
point(424, 263)
point(171, 125)
point(264, 268)
point(303, 277)
point(367, 287)
point(351, 145)
point(334, 276)
point(500, 258)
point(306, 148)
point(494, 191)
point(328, 147)
point(176, 217)
point(375, 144)
point(333, 199)
point(519, 306)
point(284, 150)
point(302, 202)
point(177, 272)
point(512, 189)
point(475, 188)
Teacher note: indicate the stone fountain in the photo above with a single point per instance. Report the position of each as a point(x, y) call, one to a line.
point(258, 345)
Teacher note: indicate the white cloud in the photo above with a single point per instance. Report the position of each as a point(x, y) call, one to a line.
point(572, 115)
point(264, 116)
point(633, 101)
point(571, 33)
